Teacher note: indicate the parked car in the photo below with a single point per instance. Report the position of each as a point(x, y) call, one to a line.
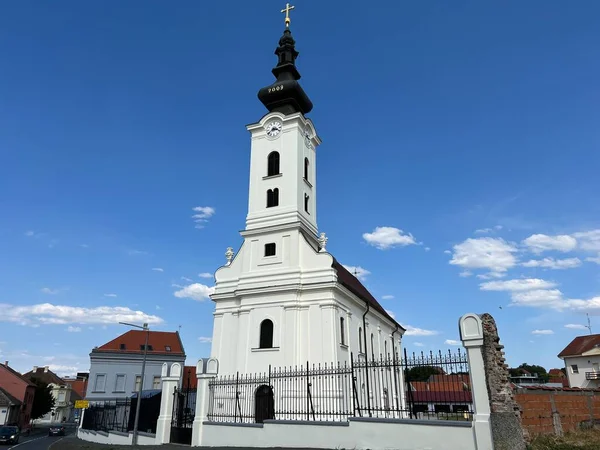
point(9, 435)
point(56, 430)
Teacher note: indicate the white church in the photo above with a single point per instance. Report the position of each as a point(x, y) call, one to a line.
point(283, 300)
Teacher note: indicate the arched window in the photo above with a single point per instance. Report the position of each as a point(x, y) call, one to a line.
point(385, 355)
point(266, 334)
point(306, 164)
point(360, 342)
point(306, 199)
point(272, 197)
point(273, 164)
point(342, 331)
point(372, 346)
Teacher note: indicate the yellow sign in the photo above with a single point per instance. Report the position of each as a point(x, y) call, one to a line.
point(82, 404)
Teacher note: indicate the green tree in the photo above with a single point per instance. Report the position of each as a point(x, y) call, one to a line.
point(422, 373)
point(43, 401)
point(532, 369)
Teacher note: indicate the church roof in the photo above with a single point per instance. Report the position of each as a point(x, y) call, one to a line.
point(352, 283)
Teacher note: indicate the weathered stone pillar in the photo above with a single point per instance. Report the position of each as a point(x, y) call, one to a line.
point(471, 334)
point(206, 370)
point(170, 382)
point(505, 417)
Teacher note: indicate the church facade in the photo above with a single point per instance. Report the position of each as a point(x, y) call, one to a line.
point(283, 300)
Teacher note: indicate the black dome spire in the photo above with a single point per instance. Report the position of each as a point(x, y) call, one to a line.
point(286, 95)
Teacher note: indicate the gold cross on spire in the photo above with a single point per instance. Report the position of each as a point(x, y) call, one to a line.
point(287, 10)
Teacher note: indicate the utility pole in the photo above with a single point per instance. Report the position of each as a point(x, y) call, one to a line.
point(141, 388)
point(589, 325)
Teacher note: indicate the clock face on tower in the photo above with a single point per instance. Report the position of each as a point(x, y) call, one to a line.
point(273, 128)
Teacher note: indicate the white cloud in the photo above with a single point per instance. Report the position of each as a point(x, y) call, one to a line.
point(203, 213)
point(30, 233)
point(49, 291)
point(427, 249)
point(488, 230)
point(494, 254)
point(205, 340)
point(542, 298)
point(388, 237)
point(110, 295)
point(452, 342)
point(539, 243)
point(48, 314)
point(391, 313)
point(551, 263)
point(205, 275)
point(63, 370)
point(72, 329)
point(189, 280)
point(447, 252)
point(518, 285)
point(575, 326)
point(135, 252)
point(594, 259)
point(158, 269)
point(358, 272)
point(418, 344)
point(542, 332)
point(465, 274)
point(387, 297)
point(490, 275)
point(589, 240)
point(195, 291)
point(413, 331)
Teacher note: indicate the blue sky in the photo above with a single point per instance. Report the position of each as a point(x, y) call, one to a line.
point(470, 127)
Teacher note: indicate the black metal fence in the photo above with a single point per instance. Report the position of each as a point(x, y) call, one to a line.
point(119, 414)
point(184, 411)
point(424, 386)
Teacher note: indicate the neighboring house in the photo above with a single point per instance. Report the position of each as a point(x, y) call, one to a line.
point(9, 408)
point(441, 394)
point(62, 393)
point(582, 361)
point(21, 389)
point(116, 366)
point(558, 376)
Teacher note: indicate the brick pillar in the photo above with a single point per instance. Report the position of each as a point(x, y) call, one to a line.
point(505, 414)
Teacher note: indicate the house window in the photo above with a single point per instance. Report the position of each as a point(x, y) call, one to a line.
point(306, 165)
point(272, 197)
point(270, 249)
point(266, 334)
point(306, 198)
point(120, 383)
point(100, 384)
point(342, 331)
point(138, 383)
point(360, 336)
point(61, 396)
point(273, 164)
point(574, 368)
point(167, 348)
point(156, 383)
point(143, 345)
point(122, 347)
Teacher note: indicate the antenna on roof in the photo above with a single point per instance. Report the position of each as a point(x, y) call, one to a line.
point(589, 325)
point(179, 326)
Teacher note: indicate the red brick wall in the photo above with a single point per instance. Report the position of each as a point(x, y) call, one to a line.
point(554, 411)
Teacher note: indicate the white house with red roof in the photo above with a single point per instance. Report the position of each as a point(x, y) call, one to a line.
point(582, 361)
point(116, 367)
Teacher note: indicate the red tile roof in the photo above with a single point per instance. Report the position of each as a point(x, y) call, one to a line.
point(45, 375)
point(355, 286)
point(439, 397)
point(159, 342)
point(79, 386)
point(556, 373)
point(16, 374)
point(581, 344)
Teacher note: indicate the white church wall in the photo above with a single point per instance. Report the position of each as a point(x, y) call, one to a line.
point(358, 434)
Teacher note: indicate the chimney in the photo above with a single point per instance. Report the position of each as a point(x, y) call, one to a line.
point(35, 368)
point(6, 363)
point(46, 369)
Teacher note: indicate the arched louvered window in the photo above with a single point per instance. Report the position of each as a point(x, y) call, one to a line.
point(266, 334)
point(342, 332)
point(273, 164)
point(306, 199)
point(272, 197)
point(360, 338)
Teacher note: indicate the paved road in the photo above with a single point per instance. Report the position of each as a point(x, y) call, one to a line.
point(40, 441)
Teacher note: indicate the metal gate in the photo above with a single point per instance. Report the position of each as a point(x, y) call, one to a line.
point(184, 409)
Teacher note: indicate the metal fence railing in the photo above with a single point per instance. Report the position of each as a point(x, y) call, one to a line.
point(423, 386)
